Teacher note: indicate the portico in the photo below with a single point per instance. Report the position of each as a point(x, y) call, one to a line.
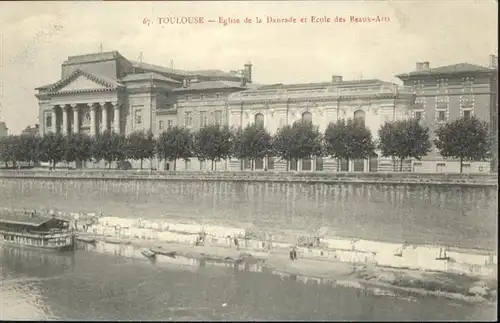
point(87, 117)
point(82, 102)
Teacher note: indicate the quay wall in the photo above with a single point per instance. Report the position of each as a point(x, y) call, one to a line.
point(432, 209)
point(327, 248)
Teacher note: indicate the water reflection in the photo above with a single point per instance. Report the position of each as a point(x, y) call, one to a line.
point(101, 286)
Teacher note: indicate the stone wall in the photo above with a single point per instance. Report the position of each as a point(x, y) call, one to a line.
point(443, 209)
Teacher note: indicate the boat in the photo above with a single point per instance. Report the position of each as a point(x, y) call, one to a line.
point(159, 251)
point(36, 231)
point(86, 239)
point(116, 241)
point(148, 253)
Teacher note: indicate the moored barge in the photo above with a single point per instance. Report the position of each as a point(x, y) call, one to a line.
point(31, 230)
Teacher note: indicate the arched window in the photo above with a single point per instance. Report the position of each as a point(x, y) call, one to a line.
point(307, 117)
point(259, 119)
point(359, 115)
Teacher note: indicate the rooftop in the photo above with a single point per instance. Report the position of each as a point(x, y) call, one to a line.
point(322, 84)
point(449, 69)
point(148, 76)
point(23, 219)
point(207, 85)
point(166, 70)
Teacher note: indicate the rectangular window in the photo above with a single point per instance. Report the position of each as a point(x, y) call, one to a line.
point(359, 165)
point(293, 164)
point(188, 118)
point(202, 96)
point(160, 124)
point(467, 113)
point(48, 121)
point(169, 123)
point(187, 164)
point(218, 117)
point(270, 163)
point(344, 165)
point(138, 116)
point(442, 84)
point(319, 164)
point(306, 164)
point(203, 118)
point(259, 164)
point(418, 115)
point(440, 167)
point(418, 86)
point(467, 84)
point(441, 116)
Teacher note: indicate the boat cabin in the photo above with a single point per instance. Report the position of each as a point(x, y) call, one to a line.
point(28, 223)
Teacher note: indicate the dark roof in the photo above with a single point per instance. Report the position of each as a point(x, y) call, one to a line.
point(148, 76)
point(166, 70)
point(23, 219)
point(321, 84)
point(208, 85)
point(449, 69)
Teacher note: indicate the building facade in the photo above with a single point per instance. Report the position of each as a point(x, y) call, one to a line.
point(449, 92)
point(373, 101)
point(106, 91)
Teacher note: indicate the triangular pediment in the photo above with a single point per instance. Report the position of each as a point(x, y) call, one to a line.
point(83, 81)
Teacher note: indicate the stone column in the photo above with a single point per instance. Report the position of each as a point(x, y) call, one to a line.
point(92, 120)
point(54, 120)
point(64, 110)
point(76, 121)
point(116, 117)
point(104, 112)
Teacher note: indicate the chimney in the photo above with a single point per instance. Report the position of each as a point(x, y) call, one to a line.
point(248, 72)
point(426, 66)
point(336, 78)
point(420, 66)
point(493, 61)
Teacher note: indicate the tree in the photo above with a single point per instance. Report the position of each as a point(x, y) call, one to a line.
point(298, 141)
point(466, 138)
point(213, 143)
point(140, 146)
point(254, 142)
point(30, 145)
point(9, 148)
point(348, 140)
point(174, 143)
point(109, 146)
point(404, 139)
point(52, 148)
point(78, 147)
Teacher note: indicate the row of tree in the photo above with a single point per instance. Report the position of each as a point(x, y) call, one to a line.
point(463, 139)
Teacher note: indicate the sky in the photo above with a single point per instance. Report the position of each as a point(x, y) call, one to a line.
point(36, 37)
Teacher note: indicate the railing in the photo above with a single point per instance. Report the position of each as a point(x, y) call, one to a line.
point(38, 235)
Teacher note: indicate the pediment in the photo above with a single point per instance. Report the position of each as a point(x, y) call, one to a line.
point(81, 82)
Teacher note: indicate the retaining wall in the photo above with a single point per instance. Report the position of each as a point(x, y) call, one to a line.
point(420, 257)
point(371, 206)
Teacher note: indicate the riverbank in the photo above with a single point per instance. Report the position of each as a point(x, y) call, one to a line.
point(382, 280)
point(486, 179)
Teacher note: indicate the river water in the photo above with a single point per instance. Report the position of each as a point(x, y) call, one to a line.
point(87, 285)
